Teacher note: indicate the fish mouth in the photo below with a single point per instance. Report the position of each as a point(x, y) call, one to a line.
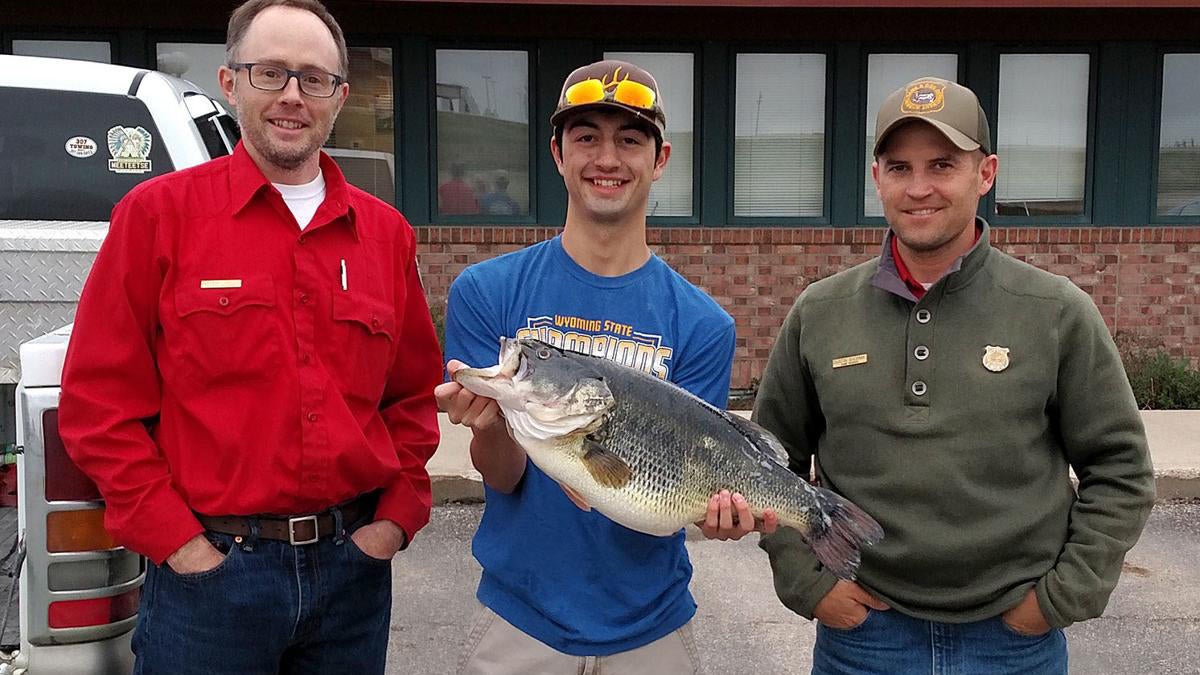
point(496, 381)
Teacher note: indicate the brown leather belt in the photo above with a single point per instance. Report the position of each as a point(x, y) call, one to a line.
point(296, 530)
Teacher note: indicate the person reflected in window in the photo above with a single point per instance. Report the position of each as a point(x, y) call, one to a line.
point(455, 196)
point(499, 202)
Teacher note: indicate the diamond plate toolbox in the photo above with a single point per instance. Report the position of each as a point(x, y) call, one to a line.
point(43, 265)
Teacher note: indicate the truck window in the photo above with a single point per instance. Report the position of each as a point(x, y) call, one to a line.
point(57, 161)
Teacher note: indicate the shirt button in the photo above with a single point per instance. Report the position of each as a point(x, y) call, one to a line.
point(374, 322)
point(304, 358)
point(919, 388)
point(921, 352)
point(304, 298)
point(923, 316)
point(312, 417)
point(223, 301)
point(303, 240)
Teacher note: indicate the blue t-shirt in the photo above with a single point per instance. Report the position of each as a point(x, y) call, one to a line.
point(574, 579)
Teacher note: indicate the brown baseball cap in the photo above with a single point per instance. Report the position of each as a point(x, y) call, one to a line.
point(601, 87)
point(948, 106)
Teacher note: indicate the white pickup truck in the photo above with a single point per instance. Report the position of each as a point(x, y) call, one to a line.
point(75, 138)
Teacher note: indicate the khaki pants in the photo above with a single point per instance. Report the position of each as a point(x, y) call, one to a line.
point(495, 647)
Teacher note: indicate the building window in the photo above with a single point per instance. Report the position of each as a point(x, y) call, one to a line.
point(887, 73)
point(671, 195)
point(482, 101)
point(1179, 137)
point(363, 142)
point(779, 136)
point(196, 62)
point(1042, 131)
point(83, 50)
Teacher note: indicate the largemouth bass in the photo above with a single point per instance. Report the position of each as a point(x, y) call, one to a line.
point(649, 455)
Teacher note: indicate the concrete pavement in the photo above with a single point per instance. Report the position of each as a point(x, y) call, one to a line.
point(1174, 437)
point(1151, 626)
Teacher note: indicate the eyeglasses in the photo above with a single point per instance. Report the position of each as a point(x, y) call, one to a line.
point(270, 77)
point(626, 91)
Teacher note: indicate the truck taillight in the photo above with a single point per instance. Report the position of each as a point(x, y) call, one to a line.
point(82, 530)
point(94, 611)
point(64, 480)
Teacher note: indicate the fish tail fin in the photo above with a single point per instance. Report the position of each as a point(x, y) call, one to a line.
point(849, 528)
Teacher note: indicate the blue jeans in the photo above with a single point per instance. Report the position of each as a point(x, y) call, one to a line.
point(891, 643)
point(268, 608)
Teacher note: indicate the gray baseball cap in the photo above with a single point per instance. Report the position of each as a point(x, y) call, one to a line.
point(947, 106)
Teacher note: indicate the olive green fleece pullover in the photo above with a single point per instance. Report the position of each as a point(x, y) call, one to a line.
point(965, 467)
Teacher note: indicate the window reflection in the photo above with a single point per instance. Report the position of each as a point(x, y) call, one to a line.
point(779, 135)
point(363, 141)
point(1041, 132)
point(482, 103)
point(1179, 137)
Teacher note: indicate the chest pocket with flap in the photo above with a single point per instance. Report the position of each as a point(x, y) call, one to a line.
point(227, 332)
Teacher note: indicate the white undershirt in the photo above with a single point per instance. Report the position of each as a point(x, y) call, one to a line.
point(303, 200)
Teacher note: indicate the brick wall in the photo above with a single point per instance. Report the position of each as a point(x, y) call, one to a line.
point(1145, 280)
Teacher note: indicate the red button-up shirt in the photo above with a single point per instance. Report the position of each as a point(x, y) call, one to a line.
point(219, 365)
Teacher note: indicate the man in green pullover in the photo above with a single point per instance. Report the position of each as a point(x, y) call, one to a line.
point(946, 388)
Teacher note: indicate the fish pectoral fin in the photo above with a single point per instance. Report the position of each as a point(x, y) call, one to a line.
point(608, 469)
point(576, 498)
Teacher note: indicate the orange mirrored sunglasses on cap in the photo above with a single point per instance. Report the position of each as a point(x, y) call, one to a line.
point(626, 92)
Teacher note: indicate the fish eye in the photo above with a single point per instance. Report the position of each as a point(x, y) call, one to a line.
point(543, 353)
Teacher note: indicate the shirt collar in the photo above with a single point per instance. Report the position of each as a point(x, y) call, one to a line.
point(892, 274)
point(246, 181)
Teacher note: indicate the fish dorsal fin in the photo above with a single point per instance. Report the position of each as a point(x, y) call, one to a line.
point(608, 469)
point(762, 440)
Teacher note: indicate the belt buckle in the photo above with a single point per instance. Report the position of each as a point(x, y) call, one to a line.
point(292, 530)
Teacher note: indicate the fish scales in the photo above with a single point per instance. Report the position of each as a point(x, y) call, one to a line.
point(682, 452)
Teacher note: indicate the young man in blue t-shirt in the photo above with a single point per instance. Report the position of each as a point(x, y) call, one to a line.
point(565, 588)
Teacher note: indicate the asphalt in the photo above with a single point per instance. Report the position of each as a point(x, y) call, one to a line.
point(1151, 625)
point(1174, 438)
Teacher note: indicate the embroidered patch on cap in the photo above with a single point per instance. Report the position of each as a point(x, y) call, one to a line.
point(923, 97)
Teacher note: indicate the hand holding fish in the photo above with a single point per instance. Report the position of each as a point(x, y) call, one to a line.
point(497, 458)
point(845, 606)
point(463, 406)
point(729, 518)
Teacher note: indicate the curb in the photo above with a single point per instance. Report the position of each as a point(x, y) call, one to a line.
point(456, 490)
point(1177, 484)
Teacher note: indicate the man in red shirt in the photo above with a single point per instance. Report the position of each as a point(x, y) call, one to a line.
point(250, 379)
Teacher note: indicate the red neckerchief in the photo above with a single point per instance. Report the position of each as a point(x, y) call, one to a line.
point(909, 280)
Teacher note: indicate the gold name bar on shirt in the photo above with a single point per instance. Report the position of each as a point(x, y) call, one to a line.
point(220, 283)
point(857, 359)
